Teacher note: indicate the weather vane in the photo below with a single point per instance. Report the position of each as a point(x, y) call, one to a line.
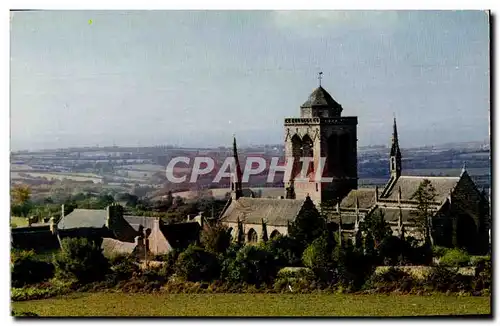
point(320, 76)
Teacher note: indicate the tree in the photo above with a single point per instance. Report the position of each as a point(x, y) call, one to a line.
point(286, 251)
point(376, 225)
point(196, 264)
point(21, 194)
point(216, 238)
point(319, 254)
point(81, 259)
point(308, 225)
point(252, 265)
point(424, 195)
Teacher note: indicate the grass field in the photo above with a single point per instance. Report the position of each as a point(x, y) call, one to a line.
point(121, 304)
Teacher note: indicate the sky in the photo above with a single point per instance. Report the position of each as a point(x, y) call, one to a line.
point(195, 78)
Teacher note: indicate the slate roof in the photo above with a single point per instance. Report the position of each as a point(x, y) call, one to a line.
point(252, 210)
point(409, 184)
point(136, 221)
point(365, 196)
point(83, 218)
point(112, 246)
point(320, 97)
point(96, 219)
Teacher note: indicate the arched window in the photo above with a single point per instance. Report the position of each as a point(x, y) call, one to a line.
point(307, 151)
point(252, 236)
point(296, 154)
point(275, 234)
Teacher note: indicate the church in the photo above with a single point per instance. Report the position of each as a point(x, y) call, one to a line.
point(460, 210)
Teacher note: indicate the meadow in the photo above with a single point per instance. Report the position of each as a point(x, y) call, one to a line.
point(334, 305)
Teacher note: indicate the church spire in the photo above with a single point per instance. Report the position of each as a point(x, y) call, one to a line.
point(236, 188)
point(395, 159)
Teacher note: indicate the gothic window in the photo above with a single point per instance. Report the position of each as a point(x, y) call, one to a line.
point(307, 151)
point(275, 234)
point(296, 153)
point(252, 236)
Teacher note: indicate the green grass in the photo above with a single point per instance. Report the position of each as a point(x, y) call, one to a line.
point(122, 304)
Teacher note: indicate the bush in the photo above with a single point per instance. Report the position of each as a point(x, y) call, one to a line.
point(352, 267)
point(439, 251)
point(216, 238)
point(196, 264)
point(455, 258)
point(25, 269)
point(40, 291)
point(81, 259)
point(445, 279)
point(482, 277)
point(318, 256)
point(252, 265)
point(124, 267)
point(286, 251)
point(302, 280)
point(391, 249)
point(392, 280)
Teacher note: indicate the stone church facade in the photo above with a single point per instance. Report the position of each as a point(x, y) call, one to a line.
point(461, 211)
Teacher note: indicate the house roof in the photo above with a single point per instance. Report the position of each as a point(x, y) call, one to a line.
point(111, 246)
point(409, 184)
point(136, 221)
point(96, 219)
point(365, 197)
point(253, 210)
point(320, 97)
point(83, 218)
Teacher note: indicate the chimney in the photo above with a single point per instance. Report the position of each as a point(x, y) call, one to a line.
point(62, 211)
point(376, 194)
point(53, 225)
point(113, 212)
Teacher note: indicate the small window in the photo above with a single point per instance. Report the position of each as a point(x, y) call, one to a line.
point(317, 188)
point(252, 236)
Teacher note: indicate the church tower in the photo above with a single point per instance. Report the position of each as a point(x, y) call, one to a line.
point(236, 182)
point(395, 156)
point(321, 132)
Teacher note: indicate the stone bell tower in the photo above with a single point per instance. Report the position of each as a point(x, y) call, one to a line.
point(321, 132)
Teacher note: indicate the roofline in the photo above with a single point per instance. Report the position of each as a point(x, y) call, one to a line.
point(428, 177)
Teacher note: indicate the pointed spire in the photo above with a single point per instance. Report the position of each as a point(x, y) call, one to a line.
point(395, 155)
point(464, 168)
point(395, 132)
point(236, 187)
